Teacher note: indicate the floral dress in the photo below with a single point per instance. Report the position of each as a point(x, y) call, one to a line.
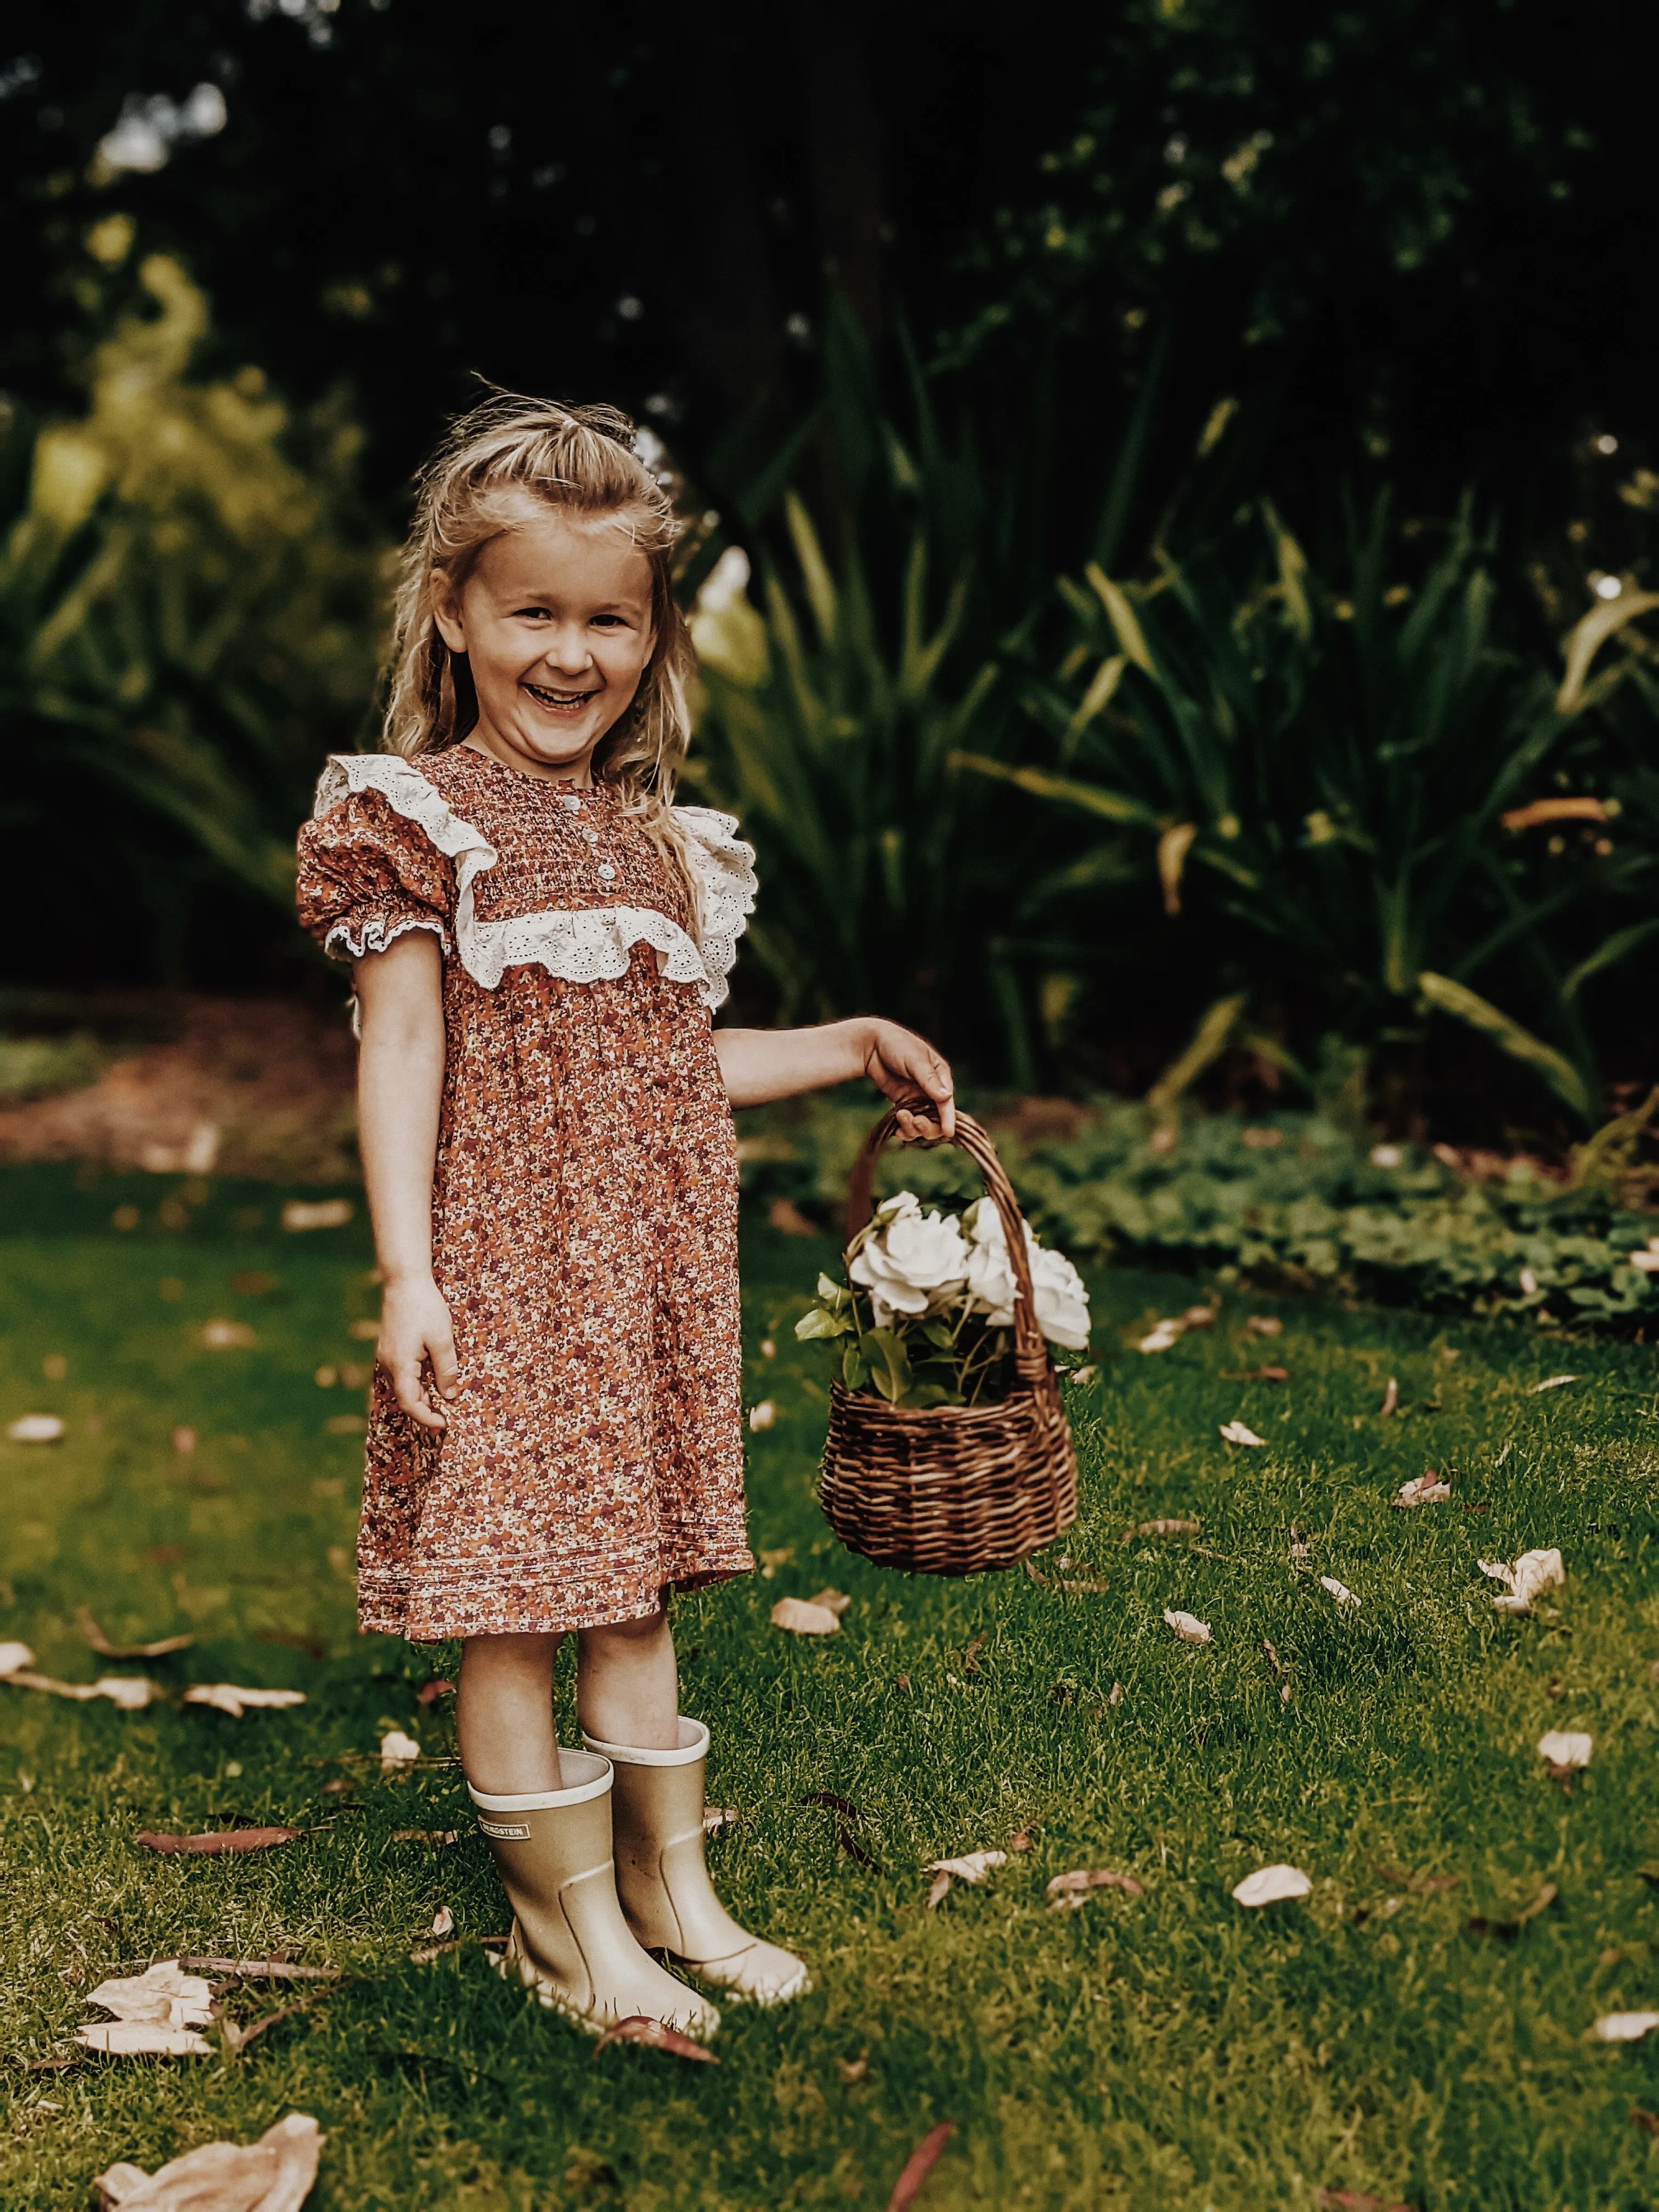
point(584, 1201)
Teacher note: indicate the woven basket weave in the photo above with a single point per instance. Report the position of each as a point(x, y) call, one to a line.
point(953, 1490)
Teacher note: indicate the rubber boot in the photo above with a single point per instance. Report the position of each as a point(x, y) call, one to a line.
point(664, 1884)
point(569, 1941)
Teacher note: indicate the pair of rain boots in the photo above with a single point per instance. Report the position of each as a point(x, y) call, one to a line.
point(610, 1869)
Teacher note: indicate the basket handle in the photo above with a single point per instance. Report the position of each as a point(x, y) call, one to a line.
point(1031, 1352)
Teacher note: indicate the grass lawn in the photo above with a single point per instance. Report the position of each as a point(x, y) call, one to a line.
point(1165, 2051)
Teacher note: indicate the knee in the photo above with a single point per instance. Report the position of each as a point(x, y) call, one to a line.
point(626, 1635)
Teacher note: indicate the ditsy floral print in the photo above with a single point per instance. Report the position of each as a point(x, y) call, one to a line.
point(584, 1217)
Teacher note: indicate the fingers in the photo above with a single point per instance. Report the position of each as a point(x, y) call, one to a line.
point(409, 1385)
point(906, 1064)
point(446, 1370)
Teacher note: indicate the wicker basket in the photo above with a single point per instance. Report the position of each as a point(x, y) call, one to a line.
point(953, 1490)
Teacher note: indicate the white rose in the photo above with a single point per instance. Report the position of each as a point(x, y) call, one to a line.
point(1062, 1302)
point(910, 1262)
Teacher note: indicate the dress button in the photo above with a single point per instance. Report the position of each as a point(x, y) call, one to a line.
point(573, 804)
point(606, 872)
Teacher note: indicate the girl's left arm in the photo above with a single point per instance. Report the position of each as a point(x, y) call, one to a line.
point(761, 1065)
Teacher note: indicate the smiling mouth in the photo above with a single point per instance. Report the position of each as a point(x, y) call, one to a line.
point(560, 702)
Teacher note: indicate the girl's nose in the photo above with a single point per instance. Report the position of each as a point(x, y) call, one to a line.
point(567, 652)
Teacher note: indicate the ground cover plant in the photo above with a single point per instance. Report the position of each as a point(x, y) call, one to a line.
point(1414, 2030)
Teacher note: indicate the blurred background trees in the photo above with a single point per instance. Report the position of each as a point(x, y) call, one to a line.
point(1191, 468)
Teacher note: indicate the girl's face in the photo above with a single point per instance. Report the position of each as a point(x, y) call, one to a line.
point(555, 620)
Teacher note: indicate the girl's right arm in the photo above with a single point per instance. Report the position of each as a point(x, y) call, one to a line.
point(399, 1081)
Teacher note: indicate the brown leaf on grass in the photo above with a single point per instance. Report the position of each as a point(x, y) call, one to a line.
point(854, 2069)
point(639, 2029)
point(1390, 1397)
point(101, 1644)
point(1067, 1893)
point(1648, 2121)
point(429, 1693)
point(1264, 1325)
point(801, 1619)
point(426, 1835)
point(920, 2164)
point(252, 1282)
point(135, 2039)
point(157, 2014)
point(831, 1803)
point(1355, 2200)
point(15, 1658)
point(443, 1922)
point(973, 1867)
point(785, 1216)
point(184, 1441)
point(260, 1970)
point(1274, 1659)
point(1189, 1629)
point(1021, 1838)
point(232, 1699)
point(218, 1843)
point(970, 1662)
point(227, 1336)
point(1162, 1529)
point(938, 1891)
point(133, 1693)
point(832, 1600)
point(1235, 1432)
point(1425, 1489)
point(718, 1817)
point(1553, 810)
point(1507, 1931)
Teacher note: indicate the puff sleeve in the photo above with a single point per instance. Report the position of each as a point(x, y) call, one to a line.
point(367, 875)
point(722, 869)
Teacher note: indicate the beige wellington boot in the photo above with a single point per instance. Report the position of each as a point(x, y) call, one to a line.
point(664, 1884)
point(570, 1942)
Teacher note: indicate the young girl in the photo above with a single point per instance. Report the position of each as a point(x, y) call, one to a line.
point(539, 936)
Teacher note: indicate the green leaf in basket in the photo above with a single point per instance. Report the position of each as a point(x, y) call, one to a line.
point(816, 1323)
point(890, 1363)
point(833, 1295)
point(931, 1394)
point(940, 1332)
point(854, 1368)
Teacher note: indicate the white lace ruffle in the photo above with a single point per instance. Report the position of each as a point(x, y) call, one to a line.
point(578, 944)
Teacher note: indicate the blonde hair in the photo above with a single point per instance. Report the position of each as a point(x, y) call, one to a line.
point(499, 460)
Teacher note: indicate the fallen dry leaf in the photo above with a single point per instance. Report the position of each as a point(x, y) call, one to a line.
point(1564, 1749)
point(764, 1415)
point(1264, 1325)
point(157, 2013)
point(1533, 1573)
point(184, 1441)
point(1162, 1337)
point(1339, 1591)
point(639, 2029)
point(1272, 1885)
point(1551, 1382)
point(14, 1657)
point(920, 2164)
point(1625, 2026)
point(429, 1693)
point(1200, 1316)
point(273, 2175)
point(36, 1429)
point(1067, 1893)
point(227, 1336)
point(1390, 1398)
point(972, 1866)
point(317, 1213)
point(716, 1817)
point(1190, 1631)
point(1510, 1928)
point(1163, 1528)
point(397, 1750)
point(101, 1644)
point(217, 1841)
point(1234, 1432)
point(1648, 2121)
point(832, 1600)
point(231, 1698)
point(435, 1836)
point(801, 1619)
point(443, 1922)
point(133, 1693)
point(127, 2039)
point(1425, 1489)
point(854, 2069)
point(1081, 1377)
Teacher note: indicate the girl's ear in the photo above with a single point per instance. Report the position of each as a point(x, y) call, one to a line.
point(446, 612)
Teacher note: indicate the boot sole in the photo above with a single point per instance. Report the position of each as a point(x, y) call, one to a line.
point(588, 2023)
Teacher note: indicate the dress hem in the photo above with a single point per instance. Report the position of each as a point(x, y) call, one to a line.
point(439, 1618)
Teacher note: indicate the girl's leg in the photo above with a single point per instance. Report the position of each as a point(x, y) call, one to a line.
point(504, 1714)
point(627, 1684)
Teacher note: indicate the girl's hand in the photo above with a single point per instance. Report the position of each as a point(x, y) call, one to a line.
point(914, 1076)
point(415, 1328)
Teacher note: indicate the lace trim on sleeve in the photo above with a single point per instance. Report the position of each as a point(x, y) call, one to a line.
point(723, 870)
point(581, 945)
